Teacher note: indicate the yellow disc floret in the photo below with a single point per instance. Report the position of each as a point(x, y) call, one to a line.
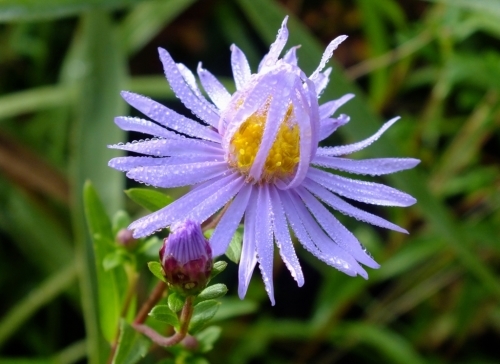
point(284, 154)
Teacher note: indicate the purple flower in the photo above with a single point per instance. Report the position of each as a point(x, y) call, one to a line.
point(259, 152)
point(186, 258)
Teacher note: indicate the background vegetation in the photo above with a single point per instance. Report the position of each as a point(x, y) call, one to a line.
point(437, 64)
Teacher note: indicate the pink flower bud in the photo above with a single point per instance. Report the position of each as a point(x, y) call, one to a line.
point(186, 258)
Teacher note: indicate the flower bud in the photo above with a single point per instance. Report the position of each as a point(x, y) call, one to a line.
point(186, 258)
point(126, 239)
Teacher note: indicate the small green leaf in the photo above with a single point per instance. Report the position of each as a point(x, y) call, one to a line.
point(208, 233)
point(212, 292)
point(157, 270)
point(175, 302)
point(163, 313)
point(203, 312)
point(113, 260)
point(150, 199)
point(132, 346)
point(120, 221)
point(218, 268)
point(208, 337)
point(233, 251)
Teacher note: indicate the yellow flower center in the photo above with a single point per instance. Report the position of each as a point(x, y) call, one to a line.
point(284, 154)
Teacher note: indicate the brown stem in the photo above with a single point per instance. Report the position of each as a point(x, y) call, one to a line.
point(186, 314)
point(155, 296)
point(213, 223)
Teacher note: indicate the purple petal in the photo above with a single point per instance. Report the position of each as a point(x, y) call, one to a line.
point(200, 107)
point(275, 49)
point(328, 108)
point(329, 125)
point(291, 56)
point(169, 147)
point(327, 55)
point(321, 81)
point(181, 207)
point(367, 192)
point(343, 237)
point(275, 116)
point(264, 239)
point(283, 239)
point(127, 163)
point(215, 90)
point(167, 176)
point(216, 201)
point(240, 66)
point(144, 126)
point(230, 221)
point(314, 239)
point(254, 100)
point(169, 118)
point(303, 118)
point(248, 251)
point(351, 148)
point(340, 205)
point(373, 167)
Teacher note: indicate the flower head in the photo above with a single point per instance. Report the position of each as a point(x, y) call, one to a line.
point(259, 153)
point(186, 258)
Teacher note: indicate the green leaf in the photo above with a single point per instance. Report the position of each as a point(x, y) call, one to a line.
point(163, 313)
point(150, 199)
point(15, 10)
point(212, 292)
point(233, 251)
point(175, 302)
point(110, 283)
point(120, 221)
point(218, 268)
point(114, 259)
point(157, 270)
point(132, 346)
point(232, 307)
point(203, 313)
point(208, 337)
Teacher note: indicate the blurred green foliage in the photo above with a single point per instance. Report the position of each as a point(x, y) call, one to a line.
point(437, 64)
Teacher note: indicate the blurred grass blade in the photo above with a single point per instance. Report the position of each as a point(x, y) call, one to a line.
point(37, 298)
point(96, 68)
point(33, 231)
point(394, 347)
point(266, 18)
point(111, 284)
point(22, 10)
point(488, 6)
point(146, 20)
point(35, 99)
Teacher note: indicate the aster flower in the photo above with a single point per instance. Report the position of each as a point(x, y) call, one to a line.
point(259, 153)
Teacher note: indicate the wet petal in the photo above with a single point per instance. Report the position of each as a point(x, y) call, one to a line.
point(351, 148)
point(240, 66)
point(215, 90)
point(200, 107)
point(168, 176)
point(283, 240)
point(230, 221)
point(169, 118)
point(373, 167)
point(340, 205)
